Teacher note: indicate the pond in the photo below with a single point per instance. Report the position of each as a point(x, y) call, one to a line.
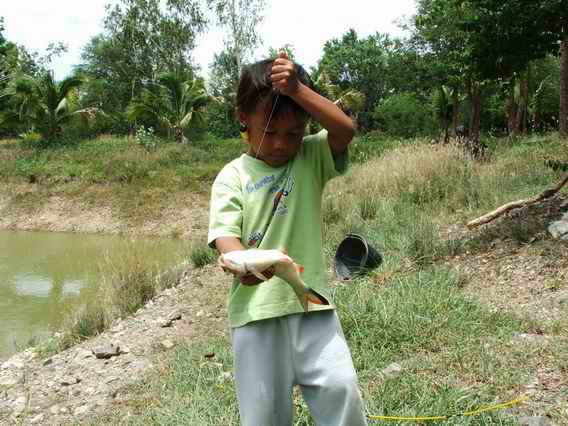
point(45, 276)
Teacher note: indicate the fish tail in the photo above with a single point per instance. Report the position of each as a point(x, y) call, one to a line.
point(314, 297)
point(300, 268)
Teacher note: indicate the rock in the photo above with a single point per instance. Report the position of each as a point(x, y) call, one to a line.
point(534, 421)
point(558, 229)
point(54, 409)
point(70, 380)
point(83, 409)
point(47, 361)
point(63, 410)
point(167, 344)
point(39, 419)
point(13, 364)
point(174, 316)
point(19, 406)
point(141, 364)
point(106, 351)
point(164, 322)
point(11, 378)
point(82, 354)
point(225, 376)
point(392, 370)
point(111, 379)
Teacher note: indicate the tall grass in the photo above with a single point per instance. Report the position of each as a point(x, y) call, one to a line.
point(456, 354)
point(127, 283)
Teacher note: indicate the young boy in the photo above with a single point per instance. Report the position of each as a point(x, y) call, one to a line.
point(270, 198)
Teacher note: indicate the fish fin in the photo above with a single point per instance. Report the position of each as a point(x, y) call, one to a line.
point(284, 251)
point(258, 274)
point(305, 300)
point(315, 297)
point(300, 268)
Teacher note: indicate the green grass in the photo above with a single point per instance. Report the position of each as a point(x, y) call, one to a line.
point(112, 160)
point(456, 353)
point(201, 255)
point(129, 281)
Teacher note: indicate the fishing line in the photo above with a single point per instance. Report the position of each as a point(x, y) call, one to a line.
point(449, 416)
point(268, 123)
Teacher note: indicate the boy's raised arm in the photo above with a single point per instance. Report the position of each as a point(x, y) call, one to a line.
point(339, 126)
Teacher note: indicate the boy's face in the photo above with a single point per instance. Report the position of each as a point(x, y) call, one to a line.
point(283, 137)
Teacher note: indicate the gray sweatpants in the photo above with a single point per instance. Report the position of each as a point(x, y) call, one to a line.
point(273, 355)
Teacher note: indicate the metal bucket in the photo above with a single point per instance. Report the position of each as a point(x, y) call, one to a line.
point(355, 256)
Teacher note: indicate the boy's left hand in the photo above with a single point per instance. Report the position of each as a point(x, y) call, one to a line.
point(284, 76)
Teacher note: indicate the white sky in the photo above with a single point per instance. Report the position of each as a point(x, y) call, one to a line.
point(305, 24)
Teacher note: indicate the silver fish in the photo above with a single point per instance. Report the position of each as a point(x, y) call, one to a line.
point(256, 261)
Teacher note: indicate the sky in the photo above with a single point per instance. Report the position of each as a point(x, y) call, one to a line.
point(304, 24)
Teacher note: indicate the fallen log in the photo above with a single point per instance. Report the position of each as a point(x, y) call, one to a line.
point(516, 205)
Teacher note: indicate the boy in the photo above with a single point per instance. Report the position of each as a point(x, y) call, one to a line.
point(270, 198)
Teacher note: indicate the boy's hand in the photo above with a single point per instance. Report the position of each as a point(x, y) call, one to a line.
point(284, 76)
point(250, 279)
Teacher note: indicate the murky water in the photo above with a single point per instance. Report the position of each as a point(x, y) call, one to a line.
point(44, 276)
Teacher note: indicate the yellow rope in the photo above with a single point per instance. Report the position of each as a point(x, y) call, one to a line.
point(467, 413)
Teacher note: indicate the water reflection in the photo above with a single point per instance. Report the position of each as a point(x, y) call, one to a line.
point(45, 275)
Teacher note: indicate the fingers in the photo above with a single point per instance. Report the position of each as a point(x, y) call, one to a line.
point(250, 279)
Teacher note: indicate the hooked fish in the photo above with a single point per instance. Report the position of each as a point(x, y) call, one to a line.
point(256, 261)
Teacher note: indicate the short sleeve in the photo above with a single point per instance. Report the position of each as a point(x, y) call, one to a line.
point(226, 211)
point(318, 152)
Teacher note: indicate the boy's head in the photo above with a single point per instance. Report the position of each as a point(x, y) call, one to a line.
point(256, 100)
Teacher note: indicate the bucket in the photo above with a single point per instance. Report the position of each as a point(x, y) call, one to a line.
point(355, 256)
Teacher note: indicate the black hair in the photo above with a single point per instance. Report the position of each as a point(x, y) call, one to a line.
point(255, 86)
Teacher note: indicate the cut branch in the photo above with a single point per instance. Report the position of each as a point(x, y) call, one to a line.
point(516, 204)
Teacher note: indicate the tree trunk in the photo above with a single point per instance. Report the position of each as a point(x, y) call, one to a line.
point(475, 118)
point(455, 110)
point(512, 108)
point(563, 115)
point(522, 107)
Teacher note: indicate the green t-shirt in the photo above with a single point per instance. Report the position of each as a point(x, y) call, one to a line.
point(280, 208)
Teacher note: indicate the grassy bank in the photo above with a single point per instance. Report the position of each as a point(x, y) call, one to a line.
point(128, 281)
point(118, 173)
point(456, 353)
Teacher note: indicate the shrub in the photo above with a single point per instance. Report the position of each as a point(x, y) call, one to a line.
point(406, 116)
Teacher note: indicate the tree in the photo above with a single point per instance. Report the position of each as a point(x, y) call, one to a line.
point(176, 102)
point(359, 64)
point(142, 40)
point(223, 86)
point(443, 109)
point(489, 39)
point(44, 103)
point(241, 19)
point(563, 113)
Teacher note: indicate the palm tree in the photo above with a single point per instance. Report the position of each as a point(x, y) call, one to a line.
point(350, 101)
point(177, 104)
point(43, 102)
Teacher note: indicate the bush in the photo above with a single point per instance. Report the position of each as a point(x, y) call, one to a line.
point(146, 138)
point(31, 138)
point(404, 115)
point(202, 255)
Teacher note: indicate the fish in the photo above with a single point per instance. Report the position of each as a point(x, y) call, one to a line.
point(257, 261)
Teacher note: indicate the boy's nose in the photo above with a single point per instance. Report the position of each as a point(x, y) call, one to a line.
point(280, 143)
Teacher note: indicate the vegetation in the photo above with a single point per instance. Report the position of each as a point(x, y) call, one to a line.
point(456, 353)
point(496, 72)
point(478, 71)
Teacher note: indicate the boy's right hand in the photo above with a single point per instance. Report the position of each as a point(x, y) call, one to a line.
point(250, 279)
